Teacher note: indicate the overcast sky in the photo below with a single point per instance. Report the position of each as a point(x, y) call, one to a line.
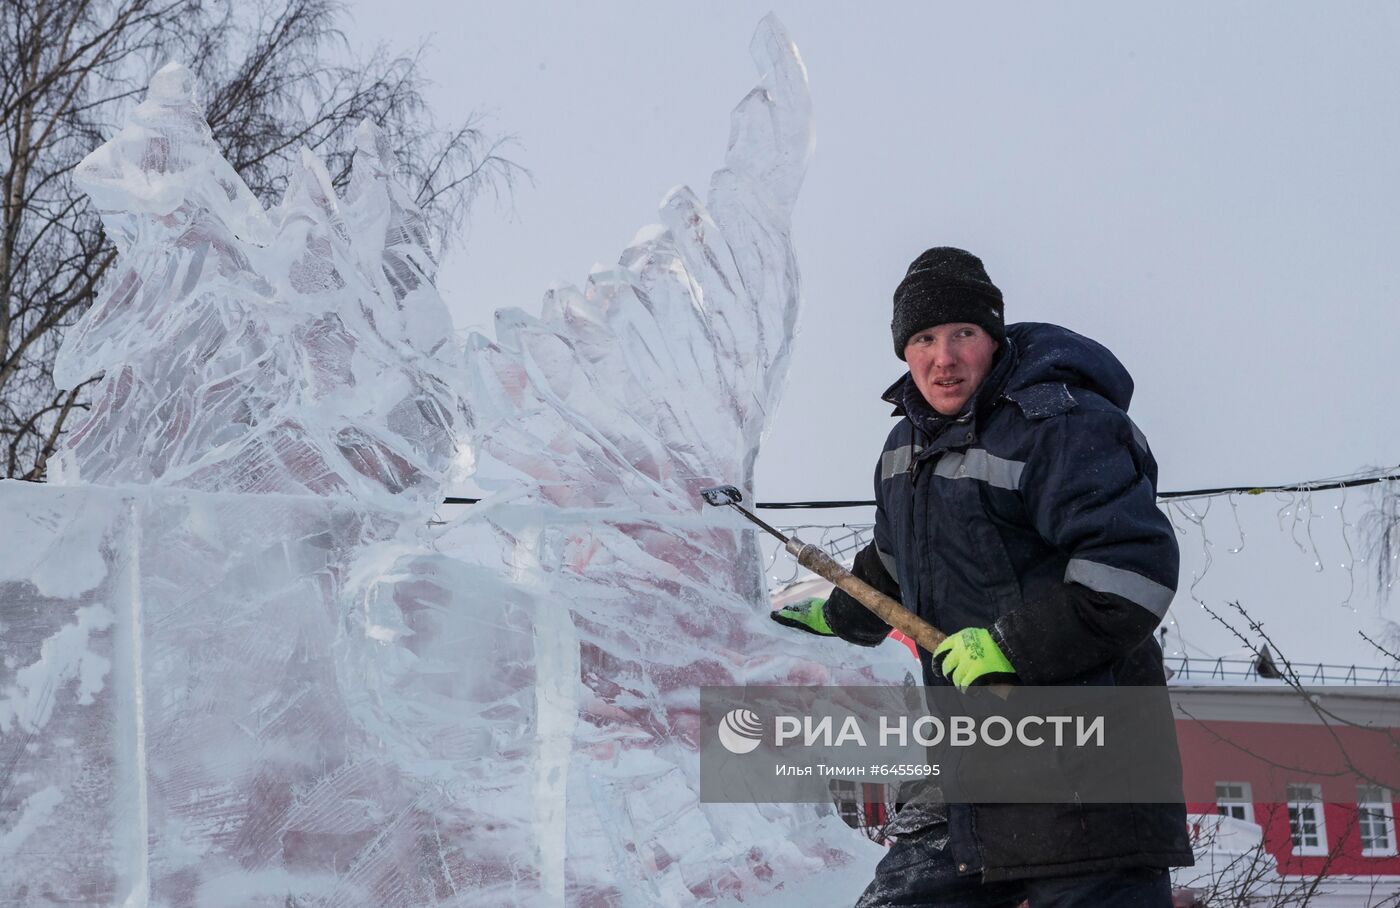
point(1212, 190)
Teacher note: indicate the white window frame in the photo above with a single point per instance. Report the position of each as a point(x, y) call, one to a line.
point(1376, 801)
point(1296, 806)
point(847, 794)
point(1224, 803)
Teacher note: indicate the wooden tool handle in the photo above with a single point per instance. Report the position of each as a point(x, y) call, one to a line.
point(893, 614)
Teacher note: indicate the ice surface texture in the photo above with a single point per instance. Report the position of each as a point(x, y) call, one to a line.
point(235, 666)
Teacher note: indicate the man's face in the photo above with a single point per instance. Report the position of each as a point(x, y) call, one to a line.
point(948, 363)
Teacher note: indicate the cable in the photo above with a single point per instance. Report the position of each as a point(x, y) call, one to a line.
point(1316, 486)
point(1293, 487)
point(1313, 486)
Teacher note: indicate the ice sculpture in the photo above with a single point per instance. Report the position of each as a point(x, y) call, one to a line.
point(236, 668)
point(301, 350)
point(276, 402)
point(600, 421)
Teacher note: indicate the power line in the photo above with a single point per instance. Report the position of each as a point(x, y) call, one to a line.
point(1313, 486)
point(1319, 485)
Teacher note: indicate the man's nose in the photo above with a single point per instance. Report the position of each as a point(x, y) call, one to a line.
point(943, 356)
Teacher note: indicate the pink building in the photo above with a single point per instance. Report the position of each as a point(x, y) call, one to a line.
point(1286, 788)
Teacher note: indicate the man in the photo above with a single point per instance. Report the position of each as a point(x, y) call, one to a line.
point(1016, 511)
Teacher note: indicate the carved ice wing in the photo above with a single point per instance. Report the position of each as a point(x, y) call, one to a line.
point(658, 377)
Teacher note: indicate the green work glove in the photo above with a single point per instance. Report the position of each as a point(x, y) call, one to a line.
point(971, 657)
point(806, 616)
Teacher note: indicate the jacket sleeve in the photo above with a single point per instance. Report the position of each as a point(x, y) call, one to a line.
point(1089, 487)
point(874, 564)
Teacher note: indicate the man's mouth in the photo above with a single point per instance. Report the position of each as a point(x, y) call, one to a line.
point(947, 382)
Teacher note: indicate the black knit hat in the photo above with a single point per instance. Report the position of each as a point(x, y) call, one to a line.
point(945, 285)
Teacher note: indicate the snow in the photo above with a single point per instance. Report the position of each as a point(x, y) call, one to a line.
point(240, 666)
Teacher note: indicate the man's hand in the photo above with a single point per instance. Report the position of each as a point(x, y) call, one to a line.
point(806, 615)
point(970, 657)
